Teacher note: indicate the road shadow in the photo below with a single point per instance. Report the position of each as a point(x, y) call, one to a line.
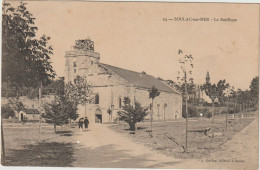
point(42, 154)
point(64, 133)
point(109, 156)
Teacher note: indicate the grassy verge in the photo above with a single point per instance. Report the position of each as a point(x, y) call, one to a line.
point(23, 147)
point(169, 137)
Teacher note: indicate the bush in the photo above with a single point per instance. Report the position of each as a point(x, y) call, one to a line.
point(208, 115)
point(193, 112)
point(206, 104)
point(7, 111)
point(132, 114)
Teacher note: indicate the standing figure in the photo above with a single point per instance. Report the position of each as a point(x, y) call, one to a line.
point(86, 122)
point(80, 123)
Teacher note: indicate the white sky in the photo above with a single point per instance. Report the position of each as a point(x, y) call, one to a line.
point(133, 36)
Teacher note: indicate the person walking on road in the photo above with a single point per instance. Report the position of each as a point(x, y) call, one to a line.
point(86, 123)
point(80, 123)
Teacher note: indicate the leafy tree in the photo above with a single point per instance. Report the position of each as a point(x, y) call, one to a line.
point(25, 59)
point(153, 92)
point(185, 80)
point(132, 113)
point(58, 112)
point(126, 100)
point(254, 90)
point(211, 91)
point(56, 87)
point(109, 111)
point(15, 104)
point(221, 87)
point(78, 92)
point(7, 111)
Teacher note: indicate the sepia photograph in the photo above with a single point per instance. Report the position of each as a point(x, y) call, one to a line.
point(154, 85)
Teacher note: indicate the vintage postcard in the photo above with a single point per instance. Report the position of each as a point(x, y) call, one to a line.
point(130, 84)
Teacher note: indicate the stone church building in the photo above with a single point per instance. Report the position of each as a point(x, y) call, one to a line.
point(111, 84)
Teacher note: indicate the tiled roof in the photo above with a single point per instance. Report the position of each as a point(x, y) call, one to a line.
point(31, 111)
point(142, 80)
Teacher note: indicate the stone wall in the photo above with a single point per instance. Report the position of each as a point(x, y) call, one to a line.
point(173, 101)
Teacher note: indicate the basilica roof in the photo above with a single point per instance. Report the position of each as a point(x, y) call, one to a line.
point(137, 79)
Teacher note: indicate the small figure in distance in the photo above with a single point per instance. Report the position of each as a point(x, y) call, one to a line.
point(86, 123)
point(80, 123)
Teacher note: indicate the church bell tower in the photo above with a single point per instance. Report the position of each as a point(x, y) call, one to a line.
point(80, 59)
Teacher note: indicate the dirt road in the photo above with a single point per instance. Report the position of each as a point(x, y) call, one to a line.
point(101, 147)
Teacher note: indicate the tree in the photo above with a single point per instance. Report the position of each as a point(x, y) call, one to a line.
point(13, 105)
point(56, 87)
point(109, 111)
point(153, 92)
point(254, 87)
point(221, 87)
point(25, 59)
point(58, 112)
point(211, 91)
point(78, 92)
point(227, 95)
point(132, 113)
point(184, 78)
point(7, 111)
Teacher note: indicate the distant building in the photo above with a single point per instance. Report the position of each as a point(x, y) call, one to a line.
point(111, 84)
point(28, 114)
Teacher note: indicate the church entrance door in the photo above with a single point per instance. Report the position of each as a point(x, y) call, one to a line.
point(98, 116)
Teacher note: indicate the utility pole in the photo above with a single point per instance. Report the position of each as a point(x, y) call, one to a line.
point(227, 113)
point(186, 105)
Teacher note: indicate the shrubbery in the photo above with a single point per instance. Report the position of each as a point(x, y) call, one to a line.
point(7, 111)
point(206, 104)
point(193, 112)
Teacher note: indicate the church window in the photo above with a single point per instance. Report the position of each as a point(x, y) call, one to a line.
point(119, 103)
point(74, 64)
point(75, 70)
point(91, 62)
point(97, 99)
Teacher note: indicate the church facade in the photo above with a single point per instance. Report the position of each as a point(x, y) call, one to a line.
point(111, 84)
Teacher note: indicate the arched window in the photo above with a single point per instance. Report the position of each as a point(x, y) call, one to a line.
point(97, 99)
point(119, 103)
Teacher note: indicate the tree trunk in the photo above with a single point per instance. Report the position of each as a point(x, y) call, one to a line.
point(55, 128)
point(187, 115)
point(164, 115)
point(40, 121)
point(132, 126)
point(246, 110)
point(212, 128)
point(227, 115)
point(152, 120)
point(2, 142)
